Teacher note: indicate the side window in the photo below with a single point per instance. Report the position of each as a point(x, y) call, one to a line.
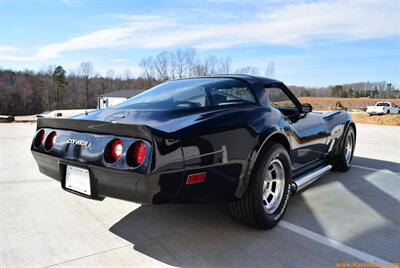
point(278, 98)
point(191, 98)
point(226, 94)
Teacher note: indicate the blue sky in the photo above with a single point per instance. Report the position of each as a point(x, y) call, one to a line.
point(312, 43)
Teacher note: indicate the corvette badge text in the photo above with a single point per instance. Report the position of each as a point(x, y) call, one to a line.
point(82, 143)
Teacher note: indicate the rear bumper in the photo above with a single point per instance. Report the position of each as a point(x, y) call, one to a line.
point(376, 112)
point(108, 182)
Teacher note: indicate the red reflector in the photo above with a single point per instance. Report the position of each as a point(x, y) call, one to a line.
point(196, 178)
point(140, 152)
point(39, 138)
point(136, 154)
point(51, 139)
point(116, 149)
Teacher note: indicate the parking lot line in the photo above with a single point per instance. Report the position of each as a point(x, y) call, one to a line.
point(332, 243)
point(86, 256)
point(376, 169)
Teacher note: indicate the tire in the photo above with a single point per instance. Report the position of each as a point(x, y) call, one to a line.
point(271, 176)
point(342, 160)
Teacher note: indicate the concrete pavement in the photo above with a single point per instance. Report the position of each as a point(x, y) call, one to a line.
point(343, 217)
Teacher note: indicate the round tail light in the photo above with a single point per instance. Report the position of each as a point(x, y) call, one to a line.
point(114, 151)
point(136, 154)
point(50, 141)
point(39, 138)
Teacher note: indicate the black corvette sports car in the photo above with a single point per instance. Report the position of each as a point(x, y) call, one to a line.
point(237, 138)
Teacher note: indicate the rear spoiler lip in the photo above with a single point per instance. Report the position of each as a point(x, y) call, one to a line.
point(96, 127)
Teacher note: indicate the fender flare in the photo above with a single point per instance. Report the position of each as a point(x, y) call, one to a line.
point(339, 145)
point(276, 136)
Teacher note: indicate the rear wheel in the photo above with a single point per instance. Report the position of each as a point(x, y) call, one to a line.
point(342, 161)
point(267, 195)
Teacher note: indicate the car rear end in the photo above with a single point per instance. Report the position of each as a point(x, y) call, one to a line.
point(98, 159)
point(376, 109)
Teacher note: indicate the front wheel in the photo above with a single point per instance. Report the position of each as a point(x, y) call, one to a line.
point(267, 195)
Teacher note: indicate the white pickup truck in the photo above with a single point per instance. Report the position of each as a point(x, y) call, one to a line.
point(383, 108)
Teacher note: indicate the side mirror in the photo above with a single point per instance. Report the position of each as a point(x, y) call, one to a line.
point(306, 108)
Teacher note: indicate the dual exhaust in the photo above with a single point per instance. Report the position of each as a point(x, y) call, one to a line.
point(305, 180)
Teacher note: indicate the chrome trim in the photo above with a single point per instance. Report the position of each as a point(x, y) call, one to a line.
point(223, 152)
point(305, 180)
point(349, 148)
point(273, 186)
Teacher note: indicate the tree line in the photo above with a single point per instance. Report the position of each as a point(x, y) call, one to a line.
point(52, 88)
point(379, 90)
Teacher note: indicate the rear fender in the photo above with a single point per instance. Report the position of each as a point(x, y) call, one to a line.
point(276, 136)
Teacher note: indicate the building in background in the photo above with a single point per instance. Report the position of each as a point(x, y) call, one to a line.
point(115, 97)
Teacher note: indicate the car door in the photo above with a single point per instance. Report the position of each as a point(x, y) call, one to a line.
point(306, 131)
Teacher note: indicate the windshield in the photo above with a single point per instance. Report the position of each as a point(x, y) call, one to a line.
point(382, 104)
point(191, 93)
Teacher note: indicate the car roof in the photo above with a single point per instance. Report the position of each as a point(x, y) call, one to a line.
point(125, 93)
point(247, 77)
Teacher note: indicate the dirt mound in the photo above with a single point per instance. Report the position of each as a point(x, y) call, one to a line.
point(388, 119)
point(349, 103)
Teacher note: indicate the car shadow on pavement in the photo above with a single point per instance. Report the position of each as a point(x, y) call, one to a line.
point(377, 164)
point(205, 234)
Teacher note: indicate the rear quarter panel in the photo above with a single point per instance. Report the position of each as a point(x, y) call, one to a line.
point(222, 144)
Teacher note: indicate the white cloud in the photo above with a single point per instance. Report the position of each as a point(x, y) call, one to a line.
point(7, 53)
point(294, 24)
point(8, 48)
point(106, 38)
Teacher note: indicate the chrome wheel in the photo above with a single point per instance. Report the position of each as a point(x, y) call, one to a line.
point(273, 186)
point(349, 148)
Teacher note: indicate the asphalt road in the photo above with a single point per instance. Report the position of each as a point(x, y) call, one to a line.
point(343, 217)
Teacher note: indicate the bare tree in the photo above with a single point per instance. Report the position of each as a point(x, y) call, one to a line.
point(147, 66)
point(86, 70)
point(211, 65)
point(110, 74)
point(225, 66)
point(172, 65)
point(248, 70)
point(180, 66)
point(128, 76)
point(190, 59)
point(198, 68)
point(103, 85)
point(110, 79)
point(162, 65)
point(270, 70)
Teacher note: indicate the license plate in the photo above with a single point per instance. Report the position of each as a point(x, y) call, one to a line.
point(78, 179)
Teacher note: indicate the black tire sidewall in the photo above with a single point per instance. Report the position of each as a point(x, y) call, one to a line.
point(264, 219)
point(349, 131)
point(340, 163)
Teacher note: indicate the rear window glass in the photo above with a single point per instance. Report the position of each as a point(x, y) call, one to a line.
point(192, 93)
point(383, 104)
